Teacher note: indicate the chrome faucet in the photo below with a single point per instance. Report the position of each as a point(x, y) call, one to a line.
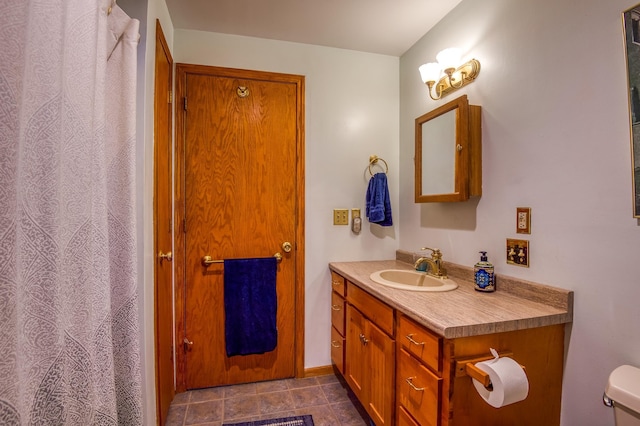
point(434, 263)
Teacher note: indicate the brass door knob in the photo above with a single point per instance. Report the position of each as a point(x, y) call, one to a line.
point(165, 256)
point(286, 246)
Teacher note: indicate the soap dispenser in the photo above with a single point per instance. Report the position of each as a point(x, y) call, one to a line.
point(483, 274)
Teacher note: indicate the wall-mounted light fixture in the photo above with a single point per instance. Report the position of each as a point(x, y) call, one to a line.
point(455, 75)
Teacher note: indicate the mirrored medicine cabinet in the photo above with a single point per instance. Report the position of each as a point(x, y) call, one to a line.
point(448, 153)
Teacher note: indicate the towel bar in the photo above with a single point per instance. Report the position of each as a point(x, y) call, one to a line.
point(207, 260)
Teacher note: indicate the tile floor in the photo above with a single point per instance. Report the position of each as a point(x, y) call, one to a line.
point(327, 398)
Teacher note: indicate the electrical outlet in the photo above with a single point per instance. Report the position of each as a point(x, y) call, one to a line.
point(340, 216)
point(518, 252)
point(523, 220)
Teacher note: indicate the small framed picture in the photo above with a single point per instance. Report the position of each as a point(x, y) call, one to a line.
point(523, 220)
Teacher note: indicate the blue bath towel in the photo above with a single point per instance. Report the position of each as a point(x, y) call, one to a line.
point(250, 305)
point(378, 205)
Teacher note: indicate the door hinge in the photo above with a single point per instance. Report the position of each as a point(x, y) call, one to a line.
point(185, 103)
point(170, 96)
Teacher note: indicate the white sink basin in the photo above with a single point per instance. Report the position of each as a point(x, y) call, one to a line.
point(412, 280)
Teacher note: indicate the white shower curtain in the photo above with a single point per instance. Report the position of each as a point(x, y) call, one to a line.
point(69, 335)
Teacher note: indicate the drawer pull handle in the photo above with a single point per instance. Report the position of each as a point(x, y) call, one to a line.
point(335, 344)
point(335, 307)
point(410, 381)
point(410, 338)
point(363, 339)
point(336, 282)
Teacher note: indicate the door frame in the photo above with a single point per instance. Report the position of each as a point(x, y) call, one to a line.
point(182, 70)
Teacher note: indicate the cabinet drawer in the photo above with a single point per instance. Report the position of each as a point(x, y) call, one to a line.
point(419, 390)
point(420, 342)
point(337, 312)
point(404, 419)
point(378, 312)
point(338, 284)
point(337, 350)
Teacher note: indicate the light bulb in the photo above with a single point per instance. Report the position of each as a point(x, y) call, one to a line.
point(430, 72)
point(449, 58)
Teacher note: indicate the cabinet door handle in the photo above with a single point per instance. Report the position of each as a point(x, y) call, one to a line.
point(410, 381)
point(336, 282)
point(335, 344)
point(410, 338)
point(335, 307)
point(363, 339)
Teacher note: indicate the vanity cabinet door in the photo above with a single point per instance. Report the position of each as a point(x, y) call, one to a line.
point(370, 366)
point(419, 390)
point(355, 369)
point(381, 369)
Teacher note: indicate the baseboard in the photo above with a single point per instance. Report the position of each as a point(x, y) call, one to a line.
point(319, 371)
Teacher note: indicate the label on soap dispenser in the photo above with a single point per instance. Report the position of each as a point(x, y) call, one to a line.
point(484, 278)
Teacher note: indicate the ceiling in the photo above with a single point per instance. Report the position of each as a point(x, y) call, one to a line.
point(388, 27)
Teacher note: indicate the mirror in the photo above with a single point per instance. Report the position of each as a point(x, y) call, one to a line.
point(448, 153)
point(632, 41)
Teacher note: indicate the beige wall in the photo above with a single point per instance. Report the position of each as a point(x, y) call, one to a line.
point(556, 139)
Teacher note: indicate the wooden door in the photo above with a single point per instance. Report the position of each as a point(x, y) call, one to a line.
point(165, 389)
point(242, 184)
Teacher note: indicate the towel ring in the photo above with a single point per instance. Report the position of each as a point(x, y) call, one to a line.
point(374, 160)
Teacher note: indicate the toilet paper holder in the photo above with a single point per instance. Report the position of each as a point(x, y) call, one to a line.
point(467, 367)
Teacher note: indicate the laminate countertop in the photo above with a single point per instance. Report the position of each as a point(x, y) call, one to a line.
point(463, 312)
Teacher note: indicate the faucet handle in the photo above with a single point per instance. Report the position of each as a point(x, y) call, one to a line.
point(435, 253)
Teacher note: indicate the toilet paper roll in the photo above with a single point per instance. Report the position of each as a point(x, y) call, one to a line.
point(510, 383)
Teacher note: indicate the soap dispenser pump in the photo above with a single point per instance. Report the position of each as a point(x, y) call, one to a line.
point(483, 273)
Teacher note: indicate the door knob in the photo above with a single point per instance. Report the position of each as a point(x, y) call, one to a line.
point(165, 256)
point(187, 344)
point(286, 246)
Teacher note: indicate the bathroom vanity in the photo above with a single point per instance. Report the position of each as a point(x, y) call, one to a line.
point(405, 353)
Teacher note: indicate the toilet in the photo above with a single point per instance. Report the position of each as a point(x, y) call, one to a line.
point(623, 394)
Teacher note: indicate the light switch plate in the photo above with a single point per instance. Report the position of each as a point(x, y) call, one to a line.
point(518, 252)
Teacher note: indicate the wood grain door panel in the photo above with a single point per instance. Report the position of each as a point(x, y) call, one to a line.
point(240, 173)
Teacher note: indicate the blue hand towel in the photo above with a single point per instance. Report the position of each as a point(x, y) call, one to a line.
point(250, 305)
point(378, 205)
